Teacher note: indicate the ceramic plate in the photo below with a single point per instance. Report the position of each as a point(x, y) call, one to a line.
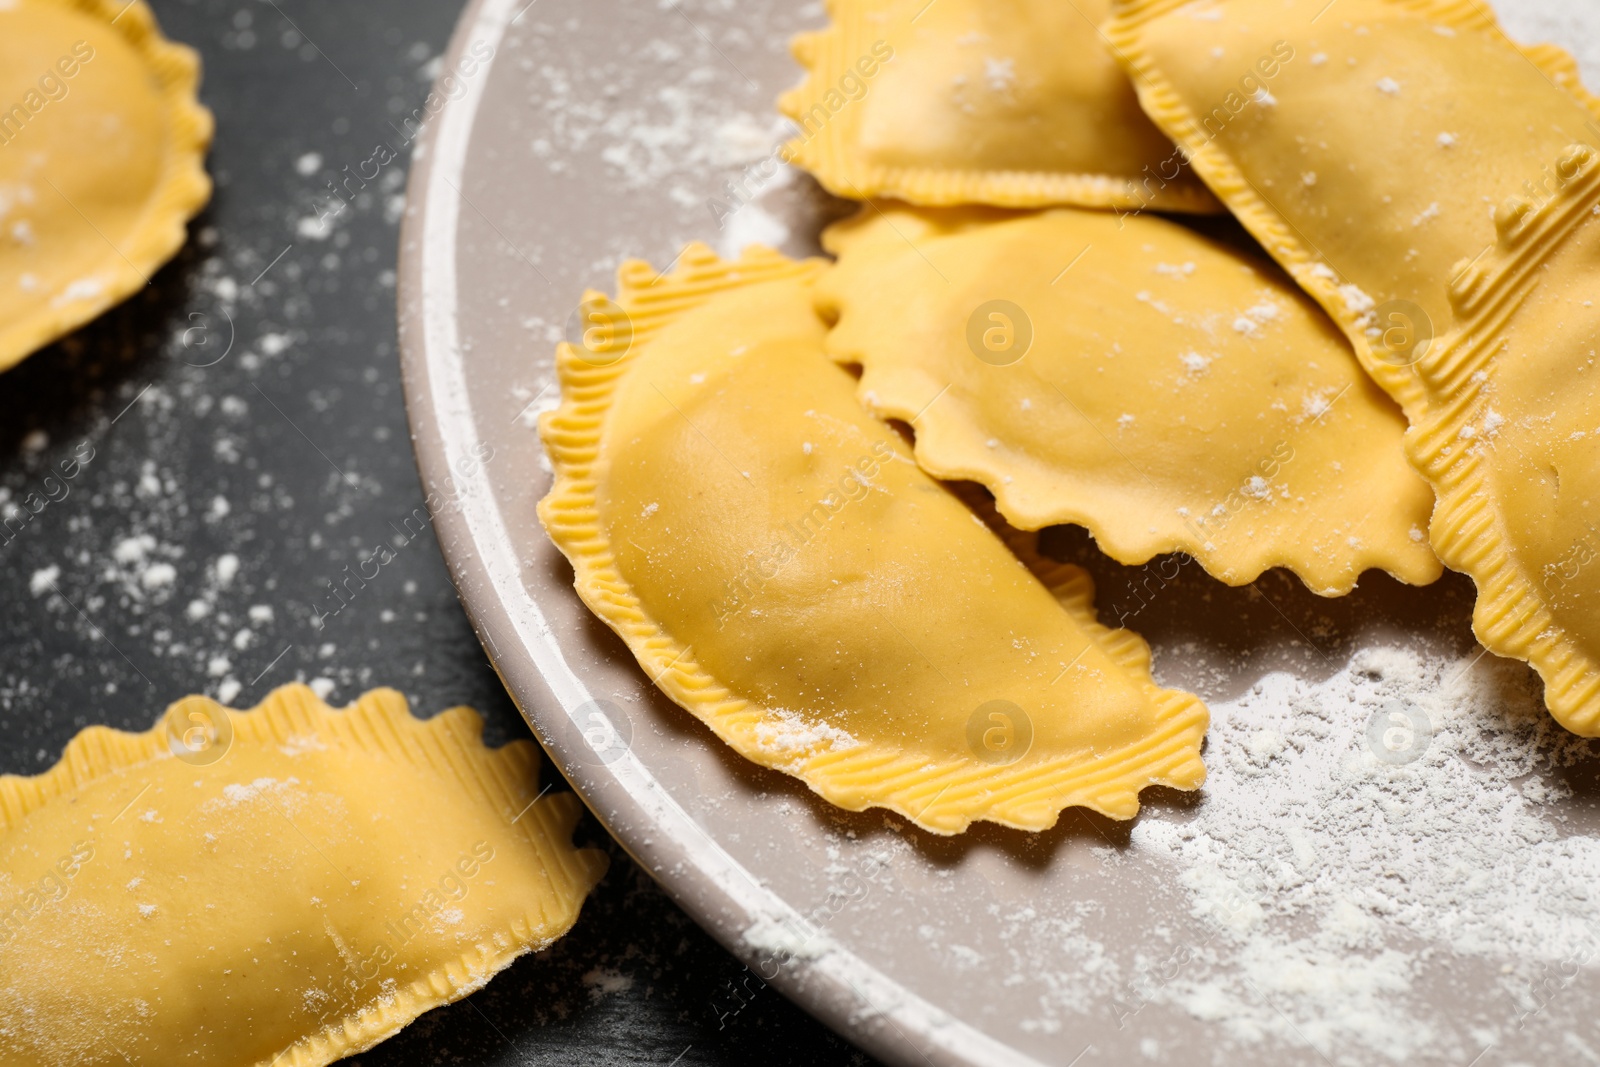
point(1394, 856)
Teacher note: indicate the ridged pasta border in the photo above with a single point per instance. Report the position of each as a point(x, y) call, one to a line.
point(449, 745)
point(1510, 617)
point(1167, 107)
point(1028, 797)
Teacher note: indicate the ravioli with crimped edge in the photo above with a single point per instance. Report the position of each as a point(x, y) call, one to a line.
point(1512, 432)
point(1165, 390)
point(782, 569)
point(102, 161)
point(1368, 167)
point(285, 886)
point(1008, 102)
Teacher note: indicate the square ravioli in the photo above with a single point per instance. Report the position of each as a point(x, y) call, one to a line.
point(1008, 102)
point(782, 569)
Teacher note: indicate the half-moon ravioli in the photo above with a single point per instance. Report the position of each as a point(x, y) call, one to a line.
point(286, 886)
point(1165, 390)
point(1008, 102)
point(1512, 434)
point(102, 149)
point(1370, 159)
point(781, 567)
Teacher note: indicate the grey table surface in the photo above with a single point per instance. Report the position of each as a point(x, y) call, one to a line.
point(249, 442)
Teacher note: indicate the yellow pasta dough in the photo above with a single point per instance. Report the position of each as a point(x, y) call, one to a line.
point(285, 887)
point(102, 146)
point(1162, 389)
point(1009, 102)
point(1369, 162)
point(1512, 433)
point(782, 569)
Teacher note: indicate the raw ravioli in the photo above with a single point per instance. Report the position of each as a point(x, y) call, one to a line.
point(286, 886)
point(1165, 390)
point(1369, 163)
point(1512, 435)
point(1009, 102)
point(102, 150)
point(781, 567)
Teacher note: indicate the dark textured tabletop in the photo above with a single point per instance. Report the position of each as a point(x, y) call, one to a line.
point(248, 440)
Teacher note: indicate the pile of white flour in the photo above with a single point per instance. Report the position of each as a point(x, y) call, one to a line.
point(1343, 861)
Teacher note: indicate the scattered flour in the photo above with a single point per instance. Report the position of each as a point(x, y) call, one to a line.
point(796, 939)
point(1358, 835)
point(791, 735)
point(244, 794)
point(44, 579)
point(603, 981)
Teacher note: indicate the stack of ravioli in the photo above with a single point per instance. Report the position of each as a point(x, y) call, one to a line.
point(806, 494)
